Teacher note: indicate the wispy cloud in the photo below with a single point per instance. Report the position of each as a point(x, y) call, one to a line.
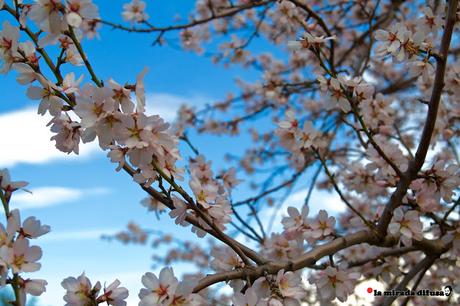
point(26, 139)
point(52, 196)
point(89, 234)
point(166, 105)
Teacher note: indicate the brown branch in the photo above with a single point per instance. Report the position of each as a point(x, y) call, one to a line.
point(420, 155)
point(192, 220)
point(231, 12)
point(339, 192)
point(384, 254)
point(421, 267)
point(433, 249)
point(269, 191)
point(416, 283)
point(323, 25)
point(306, 260)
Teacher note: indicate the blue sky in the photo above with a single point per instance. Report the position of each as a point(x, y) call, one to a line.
point(82, 197)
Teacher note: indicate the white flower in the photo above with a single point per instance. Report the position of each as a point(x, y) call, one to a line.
point(296, 222)
point(429, 22)
point(79, 291)
point(114, 295)
point(135, 131)
point(70, 85)
point(7, 185)
point(153, 204)
point(290, 123)
point(204, 193)
point(333, 282)
point(122, 96)
point(407, 224)
point(34, 287)
point(31, 227)
point(183, 296)
point(180, 211)
point(117, 155)
point(47, 93)
point(135, 11)
point(338, 95)
point(322, 226)
point(21, 257)
point(94, 104)
point(158, 290)
point(249, 298)
point(9, 37)
point(67, 134)
point(26, 74)
point(391, 40)
point(225, 259)
point(308, 41)
point(307, 136)
point(78, 10)
point(46, 14)
point(290, 285)
point(230, 179)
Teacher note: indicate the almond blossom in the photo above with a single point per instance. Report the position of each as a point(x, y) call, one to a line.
point(290, 285)
point(9, 37)
point(407, 224)
point(322, 226)
point(225, 259)
point(7, 184)
point(78, 10)
point(135, 11)
point(46, 14)
point(21, 257)
point(167, 290)
point(158, 290)
point(47, 93)
point(391, 40)
point(33, 287)
point(114, 294)
point(430, 22)
point(296, 223)
point(334, 283)
point(249, 298)
point(79, 290)
point(308, 41)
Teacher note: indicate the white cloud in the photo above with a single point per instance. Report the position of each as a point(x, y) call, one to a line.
point(320, 199)
point(26, 139)
point(51, 196)
point(166, 105)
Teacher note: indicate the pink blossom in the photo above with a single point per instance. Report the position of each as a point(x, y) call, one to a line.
point(334, 283)
point(408, 225)
point(158, 290)
point(322, 226)
point(135, 11)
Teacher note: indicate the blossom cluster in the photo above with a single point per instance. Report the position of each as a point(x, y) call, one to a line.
point(17, 256)
point(211, 197)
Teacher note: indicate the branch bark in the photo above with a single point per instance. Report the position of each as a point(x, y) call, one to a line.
point(416, 164)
